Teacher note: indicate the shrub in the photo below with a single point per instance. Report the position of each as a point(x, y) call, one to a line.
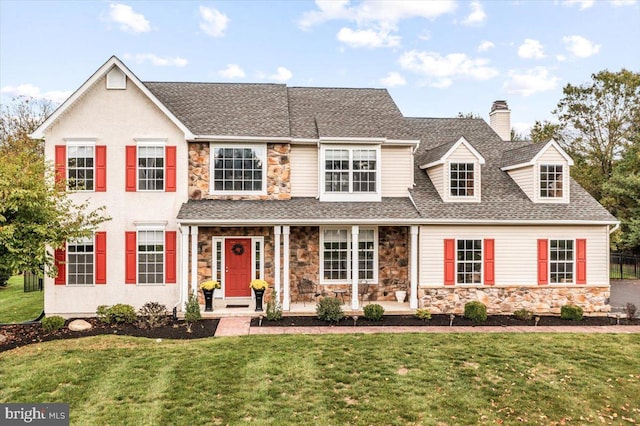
point(53, 323)
point(630, 308)
point(523, 314)
point(329, 309)
point(571, 312)
point(152, 315)
point(192, 311)
point(116, 314)
point(373, 312)
point(423, 314)
point(274, 309)
point(5, 274)
point(475, 311)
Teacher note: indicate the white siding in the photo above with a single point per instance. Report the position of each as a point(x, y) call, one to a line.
point(551, 156)
point(462, 154)
point(516, 251)
point(436, 174)
point(397, 171)
point(524, 178)
point(304, 171)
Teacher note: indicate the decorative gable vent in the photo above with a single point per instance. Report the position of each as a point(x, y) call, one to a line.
point(116, 79)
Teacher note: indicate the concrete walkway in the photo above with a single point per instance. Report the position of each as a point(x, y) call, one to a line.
point(239, 326)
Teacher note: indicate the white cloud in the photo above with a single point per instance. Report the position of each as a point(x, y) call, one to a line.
point(531, 81)
point(157, 61)
point(32, 91)
point(584, 4)
point(485, 45)
point(232, 71)
point(619, 3)
point(531, 49)
point(443, 69)
point(393, 79)
point(580, 47)
point(561, 58)
point(367, 38)
point(214, 22)
point(282, 75)
point(129, 20)
point(477, 15)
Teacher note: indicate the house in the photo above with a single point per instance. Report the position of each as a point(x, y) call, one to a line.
point(328, 186)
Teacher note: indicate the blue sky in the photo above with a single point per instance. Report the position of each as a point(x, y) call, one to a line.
point(436, 58)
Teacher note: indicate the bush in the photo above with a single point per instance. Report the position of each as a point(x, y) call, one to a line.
point(630, 308)
point(423, 314)
point(152, 315)
point(523, 314)
point(571, 312)
point(52, 323)
point(329, 309)
point(475, 311)
point(5, 274)
point(192, 311)
point(274, 309)
point(116, 314)
point(373, 312)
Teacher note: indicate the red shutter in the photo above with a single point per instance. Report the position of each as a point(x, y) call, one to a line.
point(101, 168)
point(489, 262)
point(170, 172)
point(60, 257)
point(449, 261)
point(131, 172)
point(130, 257)
point(543, 262)
point(101, 257)
point(170, 256)
point(581, 261)
point(61, 163)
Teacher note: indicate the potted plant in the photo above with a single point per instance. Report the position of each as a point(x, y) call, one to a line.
point(401, 290)
point(258, 286)
point(207, 288)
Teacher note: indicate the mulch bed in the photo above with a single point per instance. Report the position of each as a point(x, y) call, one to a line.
point(24, 334)
point(438, 320)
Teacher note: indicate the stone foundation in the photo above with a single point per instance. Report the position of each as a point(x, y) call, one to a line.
point(506, 300)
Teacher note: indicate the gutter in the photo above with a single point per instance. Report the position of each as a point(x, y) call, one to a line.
point(615, 228)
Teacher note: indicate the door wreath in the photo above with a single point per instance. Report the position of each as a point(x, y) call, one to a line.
point(237, 249)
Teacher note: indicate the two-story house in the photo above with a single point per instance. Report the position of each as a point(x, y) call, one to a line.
point(333, 187)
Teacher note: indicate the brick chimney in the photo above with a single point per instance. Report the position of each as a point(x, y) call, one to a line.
point(500, 119)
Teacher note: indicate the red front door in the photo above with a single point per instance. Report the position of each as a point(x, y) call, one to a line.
point(237, 272)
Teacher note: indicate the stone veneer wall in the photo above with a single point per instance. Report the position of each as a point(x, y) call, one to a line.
point(278, 173)
point(506, 300)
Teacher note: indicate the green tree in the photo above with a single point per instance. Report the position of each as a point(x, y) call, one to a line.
point(19, 119)
point(542, 131)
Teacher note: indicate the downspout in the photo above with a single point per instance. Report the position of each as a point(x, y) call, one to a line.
point(615, 228)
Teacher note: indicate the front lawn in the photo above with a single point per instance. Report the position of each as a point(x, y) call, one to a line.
point(18, 306)
point(386, 379)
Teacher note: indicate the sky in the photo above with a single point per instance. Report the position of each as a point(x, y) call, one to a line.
point(436, 58)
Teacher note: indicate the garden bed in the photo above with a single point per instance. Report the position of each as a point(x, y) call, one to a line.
point(16, 335)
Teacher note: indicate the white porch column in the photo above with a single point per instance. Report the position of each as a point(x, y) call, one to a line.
point(184, 266)
point(277, 231)
point(286, 303)
point(413, 267)
point(355, 230)
point(194, 259)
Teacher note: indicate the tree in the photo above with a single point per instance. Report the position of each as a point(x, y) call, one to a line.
point(35, 211)
point(542, 131)
point(517, 137)
point(19, 119)
point(468, 115)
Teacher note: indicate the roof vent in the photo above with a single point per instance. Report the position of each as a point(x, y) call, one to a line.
point(500, 119)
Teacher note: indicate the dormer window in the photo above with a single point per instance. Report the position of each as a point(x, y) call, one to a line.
point(350, 173)
point(461, 179)
point(551, 181)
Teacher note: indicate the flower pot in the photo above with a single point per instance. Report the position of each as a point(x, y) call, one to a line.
point(259, 296)
point(208, 300)
point(401, 295)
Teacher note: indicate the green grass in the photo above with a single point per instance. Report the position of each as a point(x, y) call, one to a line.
point(18, 306)
point(439, 379)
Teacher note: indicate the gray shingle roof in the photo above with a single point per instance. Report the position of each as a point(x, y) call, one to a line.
point(521, 155)
point(434, 154)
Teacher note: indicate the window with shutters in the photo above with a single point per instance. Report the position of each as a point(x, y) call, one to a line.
point(469, 261)
point(151, 164)
point(80, 166)
point(151, 257)
point(561, 261)
point(80, 262)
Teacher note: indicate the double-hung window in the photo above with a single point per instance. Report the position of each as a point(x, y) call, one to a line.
point(80, 166)
point(151, 163)
point(469, 261)
point(349, 172)
point(238, 169)
point(80, 262)
point(151, 257)
point(561, 261)
point(336, 255)
point(551, 179)
point(461, 179)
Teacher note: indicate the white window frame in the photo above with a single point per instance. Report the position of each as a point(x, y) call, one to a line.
point(573, 261)
point(348, 279)
point(481, 282)
point(255, 272)
point(155, 143)
point(90, 240)
point(152, 228)
point(473, 164)
point(350, 195)
point(537, 198)
point(81, 144)
point(262, 157)
point(540, 187)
